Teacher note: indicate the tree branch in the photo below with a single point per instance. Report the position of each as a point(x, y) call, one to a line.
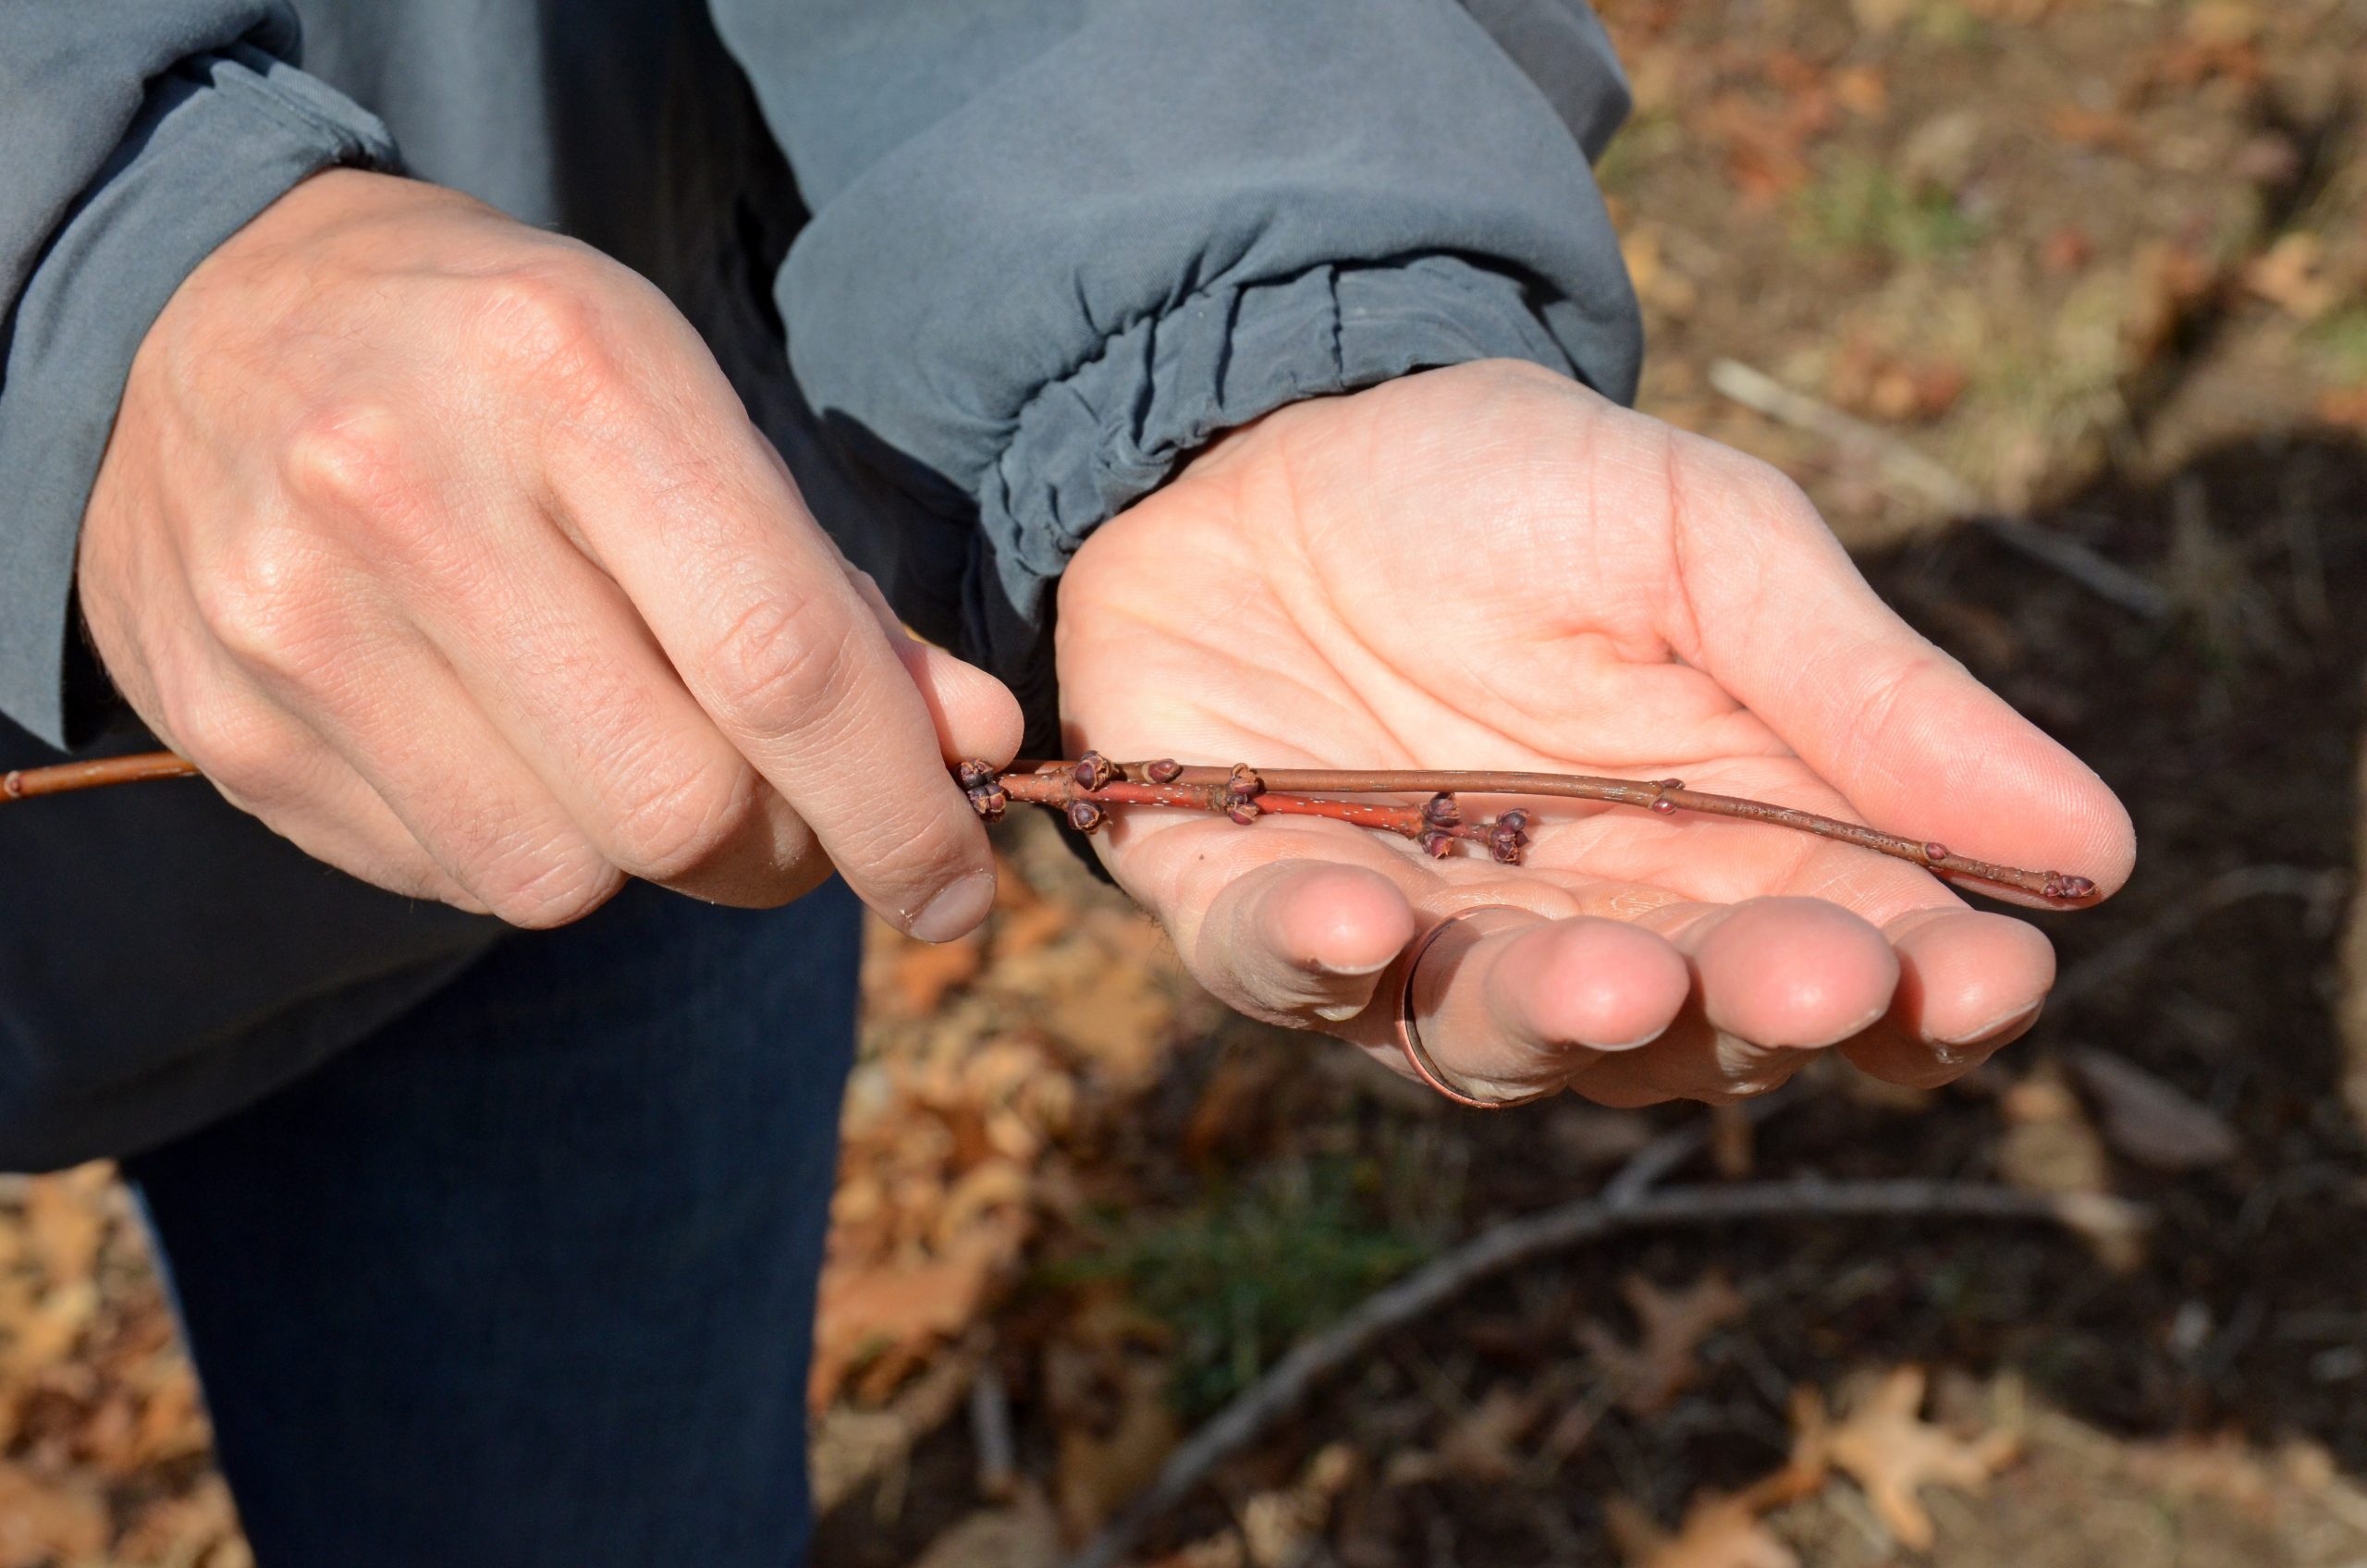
point(1517, 1241)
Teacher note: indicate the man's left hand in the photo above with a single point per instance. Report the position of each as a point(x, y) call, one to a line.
point(1489, 566)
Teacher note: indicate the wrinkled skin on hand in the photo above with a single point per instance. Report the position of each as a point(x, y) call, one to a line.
point(1489, 566)
point(441, 545)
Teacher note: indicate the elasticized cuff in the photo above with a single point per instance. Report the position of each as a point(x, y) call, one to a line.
point(1095, 441)
point(219, 138)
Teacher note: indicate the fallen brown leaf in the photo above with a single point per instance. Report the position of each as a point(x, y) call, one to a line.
point(1483, 1442)
point(924, 973)
point(897, 1309)
point(2082, 127)
point(1663, 1361)
point(65, 1221)
point(1279, 1526)
point(1104, 1461)
point(1718, 1532)
point(46, 1518)
point(2291, 274)
point(1891, 1451)
point(2050, 1145)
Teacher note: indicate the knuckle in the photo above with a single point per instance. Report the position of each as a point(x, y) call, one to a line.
point(543, 320)
point(1778, 494)
point(350, 460)
point(228, 745)
point(777, 667)
point(666, 833)
point(259, 603)
point(913, 853)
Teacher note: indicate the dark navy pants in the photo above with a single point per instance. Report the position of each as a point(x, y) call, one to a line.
point(528, 1278)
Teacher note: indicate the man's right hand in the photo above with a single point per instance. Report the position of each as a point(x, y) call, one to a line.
point(442, 546)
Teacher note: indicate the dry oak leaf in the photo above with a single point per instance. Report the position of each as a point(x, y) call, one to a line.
point(1484, 1442)
point(1280, 1527)
point(1277, 1528)
point(924, 973)
point(1103, 1463)
point(896, 1309)
point(1718, 1532)
point(2050, 1147)
point(1104, 1376)
point(66, 1219)
point(1889, 1451)
point(44, 1519)
point(1664, 1362)
point(2291, 274)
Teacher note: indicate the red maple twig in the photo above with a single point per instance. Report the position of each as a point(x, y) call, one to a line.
point(1085, 789)
point(23, 783)
point(1086, 786)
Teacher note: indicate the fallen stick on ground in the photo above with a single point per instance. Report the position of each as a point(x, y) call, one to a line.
point(1909, 468)
point(1517, 1241)
point(1905, 465)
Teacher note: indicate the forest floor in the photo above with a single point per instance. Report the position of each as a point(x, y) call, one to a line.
point(2087, 272)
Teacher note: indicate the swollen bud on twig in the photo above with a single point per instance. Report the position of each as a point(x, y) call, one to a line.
point(1508, 837)
point(1166, 770)
point(1242, 788)
point(1095, 771)
point(983, 783)
point(1086, 817)
point(1440, 810)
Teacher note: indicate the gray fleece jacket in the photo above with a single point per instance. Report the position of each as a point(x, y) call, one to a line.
point(986, 270)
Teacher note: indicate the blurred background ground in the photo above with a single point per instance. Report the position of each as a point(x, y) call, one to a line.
point(2059, 309)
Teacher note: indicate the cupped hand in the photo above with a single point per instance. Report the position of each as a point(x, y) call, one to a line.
point(442, 546)
point(1489, 566)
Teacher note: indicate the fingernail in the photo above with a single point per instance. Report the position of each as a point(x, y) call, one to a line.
point(2001, 1023)
point(956, 910)
point(1353, 971)
point(1340, 1012)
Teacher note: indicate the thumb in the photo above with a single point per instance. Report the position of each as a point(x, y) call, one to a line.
point(1780, 616)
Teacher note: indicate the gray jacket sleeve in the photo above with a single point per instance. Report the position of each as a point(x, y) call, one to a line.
point(1058, 244)
point(135, 136)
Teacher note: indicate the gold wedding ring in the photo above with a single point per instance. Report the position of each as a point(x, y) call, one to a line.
point(1409, 1033)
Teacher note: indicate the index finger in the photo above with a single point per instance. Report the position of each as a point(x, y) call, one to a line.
point(707, 537)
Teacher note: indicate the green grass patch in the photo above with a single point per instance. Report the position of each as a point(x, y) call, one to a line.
point(1253, 1268)
point(1858, 204)
point(2340, 340)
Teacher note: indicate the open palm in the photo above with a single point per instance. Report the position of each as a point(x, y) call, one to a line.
point(1489, 566)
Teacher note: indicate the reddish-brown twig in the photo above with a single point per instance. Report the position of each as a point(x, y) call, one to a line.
point(26, 782)
point(1085, 789)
